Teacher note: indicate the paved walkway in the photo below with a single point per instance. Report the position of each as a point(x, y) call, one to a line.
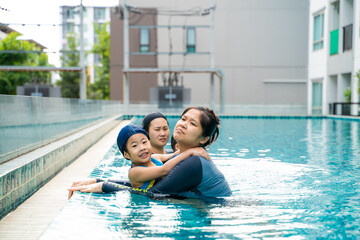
point(32, 218)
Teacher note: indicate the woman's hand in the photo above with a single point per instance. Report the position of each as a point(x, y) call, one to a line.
point(80, 183)
point(95, 187)
point(198, 151)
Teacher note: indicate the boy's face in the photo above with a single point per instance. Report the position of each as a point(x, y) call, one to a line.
point(138, 149)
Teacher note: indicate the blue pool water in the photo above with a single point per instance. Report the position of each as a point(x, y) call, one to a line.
point(296, 178)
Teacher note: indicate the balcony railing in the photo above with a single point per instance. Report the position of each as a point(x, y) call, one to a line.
point(348, 32)
point(342, 108)
point(334, 42)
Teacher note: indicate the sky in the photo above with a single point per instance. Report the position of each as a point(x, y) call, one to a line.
point(45, 13)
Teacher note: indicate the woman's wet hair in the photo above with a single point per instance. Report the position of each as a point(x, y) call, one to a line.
point(173, 143)
point(148, 119)
point(210, 124)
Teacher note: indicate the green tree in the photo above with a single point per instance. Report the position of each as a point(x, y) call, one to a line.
point(10, 79)
point(100, 89)
point(70, 81)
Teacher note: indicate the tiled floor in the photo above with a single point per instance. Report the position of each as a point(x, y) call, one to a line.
point(32, 217)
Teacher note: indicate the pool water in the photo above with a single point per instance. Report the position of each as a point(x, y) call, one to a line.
point(291, 178)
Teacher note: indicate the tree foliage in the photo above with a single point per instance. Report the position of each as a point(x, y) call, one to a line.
point(100, 89)
point(70, 81)
point(10, 79)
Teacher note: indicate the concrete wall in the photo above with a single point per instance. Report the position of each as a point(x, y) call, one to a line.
point(140, 84)
point(260, 40)
point(255, 40)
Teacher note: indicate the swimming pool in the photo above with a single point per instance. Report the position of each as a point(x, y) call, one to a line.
point(290, 177)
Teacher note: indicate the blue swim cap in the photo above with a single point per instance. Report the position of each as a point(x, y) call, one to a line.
point(125, 133)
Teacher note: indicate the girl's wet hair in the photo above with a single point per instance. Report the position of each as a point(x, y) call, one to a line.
point(210, 124)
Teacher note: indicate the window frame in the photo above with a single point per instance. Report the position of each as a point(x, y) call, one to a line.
point(320, 41)
point(191, 43)
point(144, 40)
point(99, 13)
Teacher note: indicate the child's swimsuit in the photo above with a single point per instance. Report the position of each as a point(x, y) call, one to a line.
point(149, 184)
point(110, 185)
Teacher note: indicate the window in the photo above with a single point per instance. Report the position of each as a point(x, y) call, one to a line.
point(85, 12)
point(144, 40)
point(318, 42)
point(190, 40)
point(97, 58)
point(334, 42)
point(68, 13)
point(347, 43)
point(316, 97)
point(67, 28)
point(99, 13)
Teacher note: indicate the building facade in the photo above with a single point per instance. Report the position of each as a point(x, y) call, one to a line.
point(260, 46)
point(334, 54)
point(70, 23)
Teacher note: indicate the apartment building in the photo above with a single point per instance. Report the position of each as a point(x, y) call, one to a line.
point(70, 16)
point(334, 54)
point(260, 46)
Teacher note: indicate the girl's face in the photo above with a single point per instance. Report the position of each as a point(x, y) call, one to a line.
point(188, 130)
point(159, 132)
point(138, 149)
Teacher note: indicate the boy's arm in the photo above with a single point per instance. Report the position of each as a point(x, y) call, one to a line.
point(164, 157)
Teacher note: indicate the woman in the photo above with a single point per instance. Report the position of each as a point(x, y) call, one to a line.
point(197, 127)
point(195, 175)
point(157, 126)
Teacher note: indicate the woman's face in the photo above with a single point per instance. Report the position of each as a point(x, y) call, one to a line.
point(159, 132)
point(188, 130)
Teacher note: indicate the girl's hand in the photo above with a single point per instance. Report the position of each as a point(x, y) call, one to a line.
point(198, 151)
point(95, 187)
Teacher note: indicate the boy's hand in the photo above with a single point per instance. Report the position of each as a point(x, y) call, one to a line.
point(80, 183)
point(96, 187)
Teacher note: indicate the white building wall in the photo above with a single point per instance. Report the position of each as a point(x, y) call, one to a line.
point(356, 50)
point(317, 63)
point(337, 72)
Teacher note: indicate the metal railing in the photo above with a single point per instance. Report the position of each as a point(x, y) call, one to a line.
point(344, 108)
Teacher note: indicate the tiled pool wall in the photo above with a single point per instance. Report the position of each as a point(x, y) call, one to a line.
point(23, 176)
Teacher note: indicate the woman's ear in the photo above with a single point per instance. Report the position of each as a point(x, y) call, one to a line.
point(204, 140)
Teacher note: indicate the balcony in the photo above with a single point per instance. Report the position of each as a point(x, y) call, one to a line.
point(334, 42)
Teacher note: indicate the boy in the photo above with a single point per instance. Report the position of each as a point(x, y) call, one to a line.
point(134, 144)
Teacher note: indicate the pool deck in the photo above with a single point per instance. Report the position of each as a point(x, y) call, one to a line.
point(31, 219)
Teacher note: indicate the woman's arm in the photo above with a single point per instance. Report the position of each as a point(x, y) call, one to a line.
point(139, 175)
